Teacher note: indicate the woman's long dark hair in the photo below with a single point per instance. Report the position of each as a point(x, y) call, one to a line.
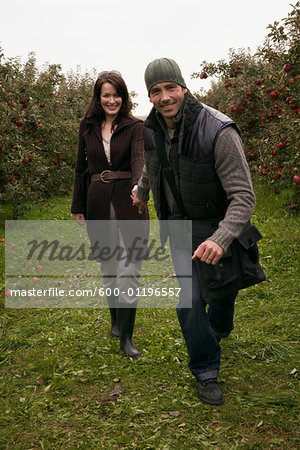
point(95, 112)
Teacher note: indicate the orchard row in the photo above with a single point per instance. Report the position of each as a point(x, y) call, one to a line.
point(41, 110)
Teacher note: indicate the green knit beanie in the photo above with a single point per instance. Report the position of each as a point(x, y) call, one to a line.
point(162, 70)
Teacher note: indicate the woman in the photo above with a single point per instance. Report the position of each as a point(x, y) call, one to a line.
point(111, 140)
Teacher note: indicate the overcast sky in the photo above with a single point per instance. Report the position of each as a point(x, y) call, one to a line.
point(127, 35)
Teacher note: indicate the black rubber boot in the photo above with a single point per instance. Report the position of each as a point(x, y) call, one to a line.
point(114, 331)
point(126, 319)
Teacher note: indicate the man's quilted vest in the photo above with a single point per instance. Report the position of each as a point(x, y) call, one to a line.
point(194, 168)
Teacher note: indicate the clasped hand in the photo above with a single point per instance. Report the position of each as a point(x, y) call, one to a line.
point(136, 201)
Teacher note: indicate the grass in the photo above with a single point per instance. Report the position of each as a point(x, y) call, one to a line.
point(65, 384)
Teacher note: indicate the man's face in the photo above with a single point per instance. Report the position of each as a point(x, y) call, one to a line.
point(167, 99)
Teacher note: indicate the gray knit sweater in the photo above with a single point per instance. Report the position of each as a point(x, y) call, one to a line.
point(233, 171)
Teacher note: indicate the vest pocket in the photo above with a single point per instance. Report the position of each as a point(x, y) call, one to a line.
point(195, 171)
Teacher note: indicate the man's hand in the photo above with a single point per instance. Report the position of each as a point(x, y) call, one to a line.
point(136, 201)
point(80, 219)
point(209, 252)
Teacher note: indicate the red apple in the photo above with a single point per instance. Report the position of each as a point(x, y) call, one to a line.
point(288, 67)
point(296, 179)
point(258, 81)
point(42, 105)
point(20, 123)
point(203, 75)
point(26, 160)
point(274, 95)
point(281, 145)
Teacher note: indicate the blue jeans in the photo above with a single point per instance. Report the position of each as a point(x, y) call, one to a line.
point(201, 325)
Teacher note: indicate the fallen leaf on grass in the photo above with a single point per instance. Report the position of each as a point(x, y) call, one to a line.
point(116, 391)
point(175, 413)
point(183, 424)
point(40, 382)
point(294, 371)
point(164, 416)
point(116, 380)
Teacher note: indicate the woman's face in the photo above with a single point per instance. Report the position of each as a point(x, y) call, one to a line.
point(111, 101)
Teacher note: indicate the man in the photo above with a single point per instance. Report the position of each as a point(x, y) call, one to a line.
point(206, 156)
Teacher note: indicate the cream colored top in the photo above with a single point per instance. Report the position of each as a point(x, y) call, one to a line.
point(106, 146)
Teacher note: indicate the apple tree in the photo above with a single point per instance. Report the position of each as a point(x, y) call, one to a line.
point(40, 110)
point(261, 93)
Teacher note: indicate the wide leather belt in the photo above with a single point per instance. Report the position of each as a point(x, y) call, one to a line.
point(107, 176)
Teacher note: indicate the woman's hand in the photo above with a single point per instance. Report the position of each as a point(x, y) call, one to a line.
point(136, 201)
point(80, 219)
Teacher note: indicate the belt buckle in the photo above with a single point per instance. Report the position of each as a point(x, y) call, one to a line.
point(101, 176)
